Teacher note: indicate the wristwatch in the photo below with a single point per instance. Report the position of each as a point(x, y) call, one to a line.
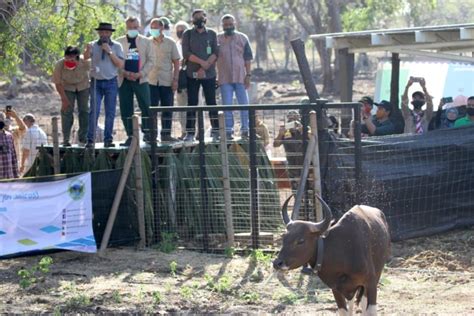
point(109, 53)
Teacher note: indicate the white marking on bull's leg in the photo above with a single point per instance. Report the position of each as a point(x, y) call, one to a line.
point(363, 304)
point(351, 306)
point(371, 310)
point(342, 312)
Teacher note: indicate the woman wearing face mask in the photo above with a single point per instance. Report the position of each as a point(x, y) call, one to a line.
point(417, 120)
point(71, 77)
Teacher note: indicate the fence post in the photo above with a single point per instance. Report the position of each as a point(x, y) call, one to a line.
point(154, 170)
point(226, 181)
point(316, 166)
point(203, 184)
point(118, 195)
point(56, 163)
point(139, 183)
point(358, 153)
point(253, 180)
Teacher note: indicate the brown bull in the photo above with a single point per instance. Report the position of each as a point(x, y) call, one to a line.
point(349, 256)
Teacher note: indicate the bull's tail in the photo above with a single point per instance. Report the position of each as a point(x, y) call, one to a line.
point(359, 294)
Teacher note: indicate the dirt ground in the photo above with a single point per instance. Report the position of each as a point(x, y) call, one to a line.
point(428, 276)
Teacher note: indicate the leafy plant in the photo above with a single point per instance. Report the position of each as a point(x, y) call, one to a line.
point(29, 277)
point(157, 298)
point(173, 267)
point(222, 285)
point(78, 301)
point(250, 297)
point(167, 244)
point(186, 292)
point(229, 252)
point(116, 297)
point(258, 256)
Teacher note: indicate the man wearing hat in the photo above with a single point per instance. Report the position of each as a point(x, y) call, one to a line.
point(380, 124)
point(34, 138)
point(106, 59)
point(133, 79)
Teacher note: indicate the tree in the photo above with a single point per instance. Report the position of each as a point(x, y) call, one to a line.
point(40, 30)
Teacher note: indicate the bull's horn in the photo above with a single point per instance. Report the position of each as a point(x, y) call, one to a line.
point(284, 211)
point(323, 225)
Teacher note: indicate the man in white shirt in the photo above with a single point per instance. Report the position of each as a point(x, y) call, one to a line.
point(34, 137)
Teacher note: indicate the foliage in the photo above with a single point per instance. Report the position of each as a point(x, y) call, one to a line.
point(222, 285)
point(157, 298)
point(167, 244)
point(173, 267)
point(37, 272)
point(39, 31)
point(258, 256)
point(229, 252)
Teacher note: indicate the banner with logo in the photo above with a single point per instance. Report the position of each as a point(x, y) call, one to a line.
point(47, 215)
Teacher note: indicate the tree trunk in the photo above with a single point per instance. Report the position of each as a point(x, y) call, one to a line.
point(335, 26)
point(261, 39)
point(142, 13)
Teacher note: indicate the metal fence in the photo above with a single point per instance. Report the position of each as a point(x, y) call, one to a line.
point(201, 206)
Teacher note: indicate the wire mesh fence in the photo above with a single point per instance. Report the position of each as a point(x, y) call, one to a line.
point(264, 166)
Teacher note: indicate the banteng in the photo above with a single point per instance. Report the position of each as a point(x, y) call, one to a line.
point(348, 256)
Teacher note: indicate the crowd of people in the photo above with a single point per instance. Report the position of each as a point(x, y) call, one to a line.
point(153, 69)
point(387, 119)
point(160, 70)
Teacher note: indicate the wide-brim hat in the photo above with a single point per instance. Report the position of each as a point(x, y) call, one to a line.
point(103, 26)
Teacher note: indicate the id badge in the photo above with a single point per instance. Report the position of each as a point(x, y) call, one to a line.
point(209, 50)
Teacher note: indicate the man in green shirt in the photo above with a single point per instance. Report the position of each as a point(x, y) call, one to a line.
point(469, 118)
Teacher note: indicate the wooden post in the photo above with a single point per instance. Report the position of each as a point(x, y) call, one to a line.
point(395, 80)
point(226, 182)
point(118, 195)
point(56, 158)
point(346, 71)
point(139, 184)
point(304, 177)
point(316, 167)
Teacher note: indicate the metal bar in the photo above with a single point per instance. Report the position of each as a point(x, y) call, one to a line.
point(56, 158)
point(357, 152)
point(202, 174)
point(253, 180)
point(316, 168)
point(154, 171)
point(394, 84)
point(139, 184)
point(226, 182)
point(309, 106)
point(305, 122)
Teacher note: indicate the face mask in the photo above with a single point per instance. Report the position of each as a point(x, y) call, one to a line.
point(167, 33)
point(199, 23)
point(229, 31)
point(155, 32)
point(470, 111)
point(2, 124)
point(132, 33)
point(70, 64)
point(417, 104)
point(179, 34)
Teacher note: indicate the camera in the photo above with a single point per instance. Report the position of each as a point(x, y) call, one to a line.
point(8, 108)
point(416, 79)
point(447, 100)
point(290, 125)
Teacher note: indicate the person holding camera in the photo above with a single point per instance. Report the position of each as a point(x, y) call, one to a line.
point(164, 75)
point(8, 157)
point(18, 129)
point(200, 49)
point(106, 59)
point(417, 120)
point(71, 78)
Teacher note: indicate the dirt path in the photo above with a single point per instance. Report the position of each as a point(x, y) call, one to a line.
point(431, 276)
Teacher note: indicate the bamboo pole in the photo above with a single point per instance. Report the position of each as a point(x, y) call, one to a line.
point(316, 166)
point(56, 158)
point(118, 195)
point(226, 182)
point(139, 184)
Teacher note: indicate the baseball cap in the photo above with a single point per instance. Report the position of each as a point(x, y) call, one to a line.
point(367, 99)
point(385, 104)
